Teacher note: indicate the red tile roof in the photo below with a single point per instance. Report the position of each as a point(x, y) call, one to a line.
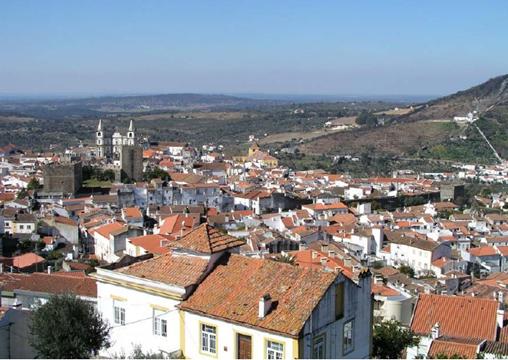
point(207, 240)
point(232, 291)
point(132, 212)
point(174, 270)
point(322, 207)
point(319, 260)
point(383, 290)
point(460, 317)
point(109, 229)
point(26, 260)
point(56, 283)
point(450, 347)
point(154, 244)
point(65, 220)
point(175, 223)
point(483, 251)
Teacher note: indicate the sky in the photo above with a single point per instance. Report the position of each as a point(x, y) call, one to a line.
point(356, 47)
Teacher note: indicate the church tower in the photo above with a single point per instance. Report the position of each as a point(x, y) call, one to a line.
point(131, 135)
point(99, 136)
point(103, 141)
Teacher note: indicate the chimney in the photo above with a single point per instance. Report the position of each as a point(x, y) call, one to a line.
point(1, 268)
point(324, 247)
point(181, 229)
point(500, 309)
point(435, 331)
point(314, 254)
point(265, 303)
point(323, 260)
point(347, 261)
point(49, 270)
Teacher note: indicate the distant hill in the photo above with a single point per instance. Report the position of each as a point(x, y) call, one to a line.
point(95, 106)
point(429, 131)
point(163, 102)
point(484, 98)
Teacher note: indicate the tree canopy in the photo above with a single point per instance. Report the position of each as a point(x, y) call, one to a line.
point(156, 173)
point(390, 339)
point(68, 327)
point(366, 118)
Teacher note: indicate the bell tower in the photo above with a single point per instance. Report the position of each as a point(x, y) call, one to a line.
point(131, 135)
point(99, 136)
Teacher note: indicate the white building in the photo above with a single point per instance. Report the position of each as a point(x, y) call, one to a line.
point(200, 300)
point(417, 253)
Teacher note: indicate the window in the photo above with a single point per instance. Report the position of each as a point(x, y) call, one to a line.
point(208, 339)
point(274, 350)
point(21, 227)
point(319, 347)
point(119, 311)
point(347, 341)
point(160, 325)
point(339, 301)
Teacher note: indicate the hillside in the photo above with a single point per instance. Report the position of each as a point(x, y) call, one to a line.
point(484, 98)
point(429, 132)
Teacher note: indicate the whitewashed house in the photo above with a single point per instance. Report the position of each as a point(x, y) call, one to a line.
point(201, 300)
point(417, 253)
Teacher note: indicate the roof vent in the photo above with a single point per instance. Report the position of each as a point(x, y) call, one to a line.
point(265, 304)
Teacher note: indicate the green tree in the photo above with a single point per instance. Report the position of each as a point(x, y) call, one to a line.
point(33, 184)
point(407, 270)
point(68, 327)
point(366, 118)
point(390, 339)
point(23, 193)
point(156, 173)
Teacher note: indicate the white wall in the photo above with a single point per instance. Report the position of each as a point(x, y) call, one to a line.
point(138, 328)
point(226, 339)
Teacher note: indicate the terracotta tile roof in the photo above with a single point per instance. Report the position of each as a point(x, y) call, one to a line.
point(151, 243)
point(26, 260)
point(207, 240)
point(440, 262)
point(174, 270)
point(175, 223)
point(383, 290)
point(65, 220)
point(497, 348)
point(109, 229)
point(56, 283)
point(344, 219)
point(427, 245)
point(232, 291)
point(460, 317)
point(323, 207)
point(450, 347)
point(483, 251)
point(132, 212)
point(503, 250)
point(319, 260)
